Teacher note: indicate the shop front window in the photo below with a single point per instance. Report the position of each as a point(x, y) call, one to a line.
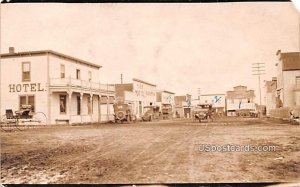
point(62, 104)
point(90, 106)
point(78, 105)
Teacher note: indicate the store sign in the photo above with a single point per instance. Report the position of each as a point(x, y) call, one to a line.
point(143, 91)
point(167, 98)
point(32, 87)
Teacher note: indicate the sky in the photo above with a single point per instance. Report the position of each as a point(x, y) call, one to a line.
point(179, 47)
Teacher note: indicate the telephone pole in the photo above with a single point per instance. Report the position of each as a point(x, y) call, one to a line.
point(199, 93)
point(258, 69)
point(121, 78)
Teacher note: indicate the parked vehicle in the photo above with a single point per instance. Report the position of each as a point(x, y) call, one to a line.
point(151, 113)
point(123, 112)
point(22, 119)
point(166, 111)
point(203, 112)
point(295, 115)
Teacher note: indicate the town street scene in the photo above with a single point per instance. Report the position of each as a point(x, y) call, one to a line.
point(150, 93)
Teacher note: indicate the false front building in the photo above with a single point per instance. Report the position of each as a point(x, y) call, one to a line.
point(239, 99)
point(64, 88)
point(139, 94)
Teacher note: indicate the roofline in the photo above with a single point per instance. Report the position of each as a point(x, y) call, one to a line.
point(42, 52)
point(141, 81)
point(168, 92)
point(240, 86)
point(183, 95)
point(211, 94)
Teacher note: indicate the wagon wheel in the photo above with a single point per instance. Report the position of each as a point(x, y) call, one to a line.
point(7, 125)
point(21, 127)
point(38, 118)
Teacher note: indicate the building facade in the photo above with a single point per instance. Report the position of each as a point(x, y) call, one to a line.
point(165, 99)
point(288, 79)
point(66, 89)
point(270, 98)
point(217, 101)
point(183, 106)
point(239, 99)
point(138, 94)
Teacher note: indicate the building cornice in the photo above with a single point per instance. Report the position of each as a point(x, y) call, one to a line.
point(45, 52)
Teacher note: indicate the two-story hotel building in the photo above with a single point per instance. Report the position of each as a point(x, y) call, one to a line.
point(66, 89)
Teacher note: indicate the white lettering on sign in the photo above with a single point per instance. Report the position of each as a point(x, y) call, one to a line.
point(33, 87)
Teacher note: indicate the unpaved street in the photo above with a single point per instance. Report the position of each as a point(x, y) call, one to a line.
point(156, 152)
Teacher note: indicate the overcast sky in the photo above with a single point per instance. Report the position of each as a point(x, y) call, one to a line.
point(179, 47)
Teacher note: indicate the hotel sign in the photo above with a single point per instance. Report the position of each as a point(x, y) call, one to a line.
point(32, 87)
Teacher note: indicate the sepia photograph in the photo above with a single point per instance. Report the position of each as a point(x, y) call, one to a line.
point(150, 93)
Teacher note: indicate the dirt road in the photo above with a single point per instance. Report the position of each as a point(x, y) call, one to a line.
point(164, 152)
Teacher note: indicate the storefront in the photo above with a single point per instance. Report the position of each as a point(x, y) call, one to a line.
point(138, 94)
point(183, 106)
point(166, 102)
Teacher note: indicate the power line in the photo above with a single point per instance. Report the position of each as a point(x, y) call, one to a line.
point(258, 70)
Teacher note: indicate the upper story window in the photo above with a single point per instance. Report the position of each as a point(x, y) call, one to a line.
point(77, 73)
point(90, 76)
point(62, 71)
point(26, 71)
point(297, 80)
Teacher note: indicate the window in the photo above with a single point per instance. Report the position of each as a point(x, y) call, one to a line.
point(90, 105)
point(298, 80)
point(62, 104)
point(77, 73)
point(26, 71)
point(78, 105)
point(27, 100)
point(62, 71)
point(90, 76)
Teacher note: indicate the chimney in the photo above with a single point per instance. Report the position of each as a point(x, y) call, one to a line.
point(11, 50)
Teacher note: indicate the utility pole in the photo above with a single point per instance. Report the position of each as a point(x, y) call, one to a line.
point(199, 93)
point(258, 69)
point(121, 78)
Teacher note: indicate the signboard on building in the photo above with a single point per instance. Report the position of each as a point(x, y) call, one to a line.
point(144, 91)
point(217, 100)
point(167, 98)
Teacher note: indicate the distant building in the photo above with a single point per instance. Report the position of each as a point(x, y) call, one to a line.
point(165, 99)
point(270, 98)
point(66, 89)
point(288, 79)
point(239, 99)
point(183, 106)
point(217, 101)
point(138, 94)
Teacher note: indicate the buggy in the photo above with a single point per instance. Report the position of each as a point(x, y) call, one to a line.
point(22, 119)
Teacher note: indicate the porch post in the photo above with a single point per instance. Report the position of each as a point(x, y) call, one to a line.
point(81, 104)
point(107, 107)
point(99, 108)
point(69, 105)
point(91, 107)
